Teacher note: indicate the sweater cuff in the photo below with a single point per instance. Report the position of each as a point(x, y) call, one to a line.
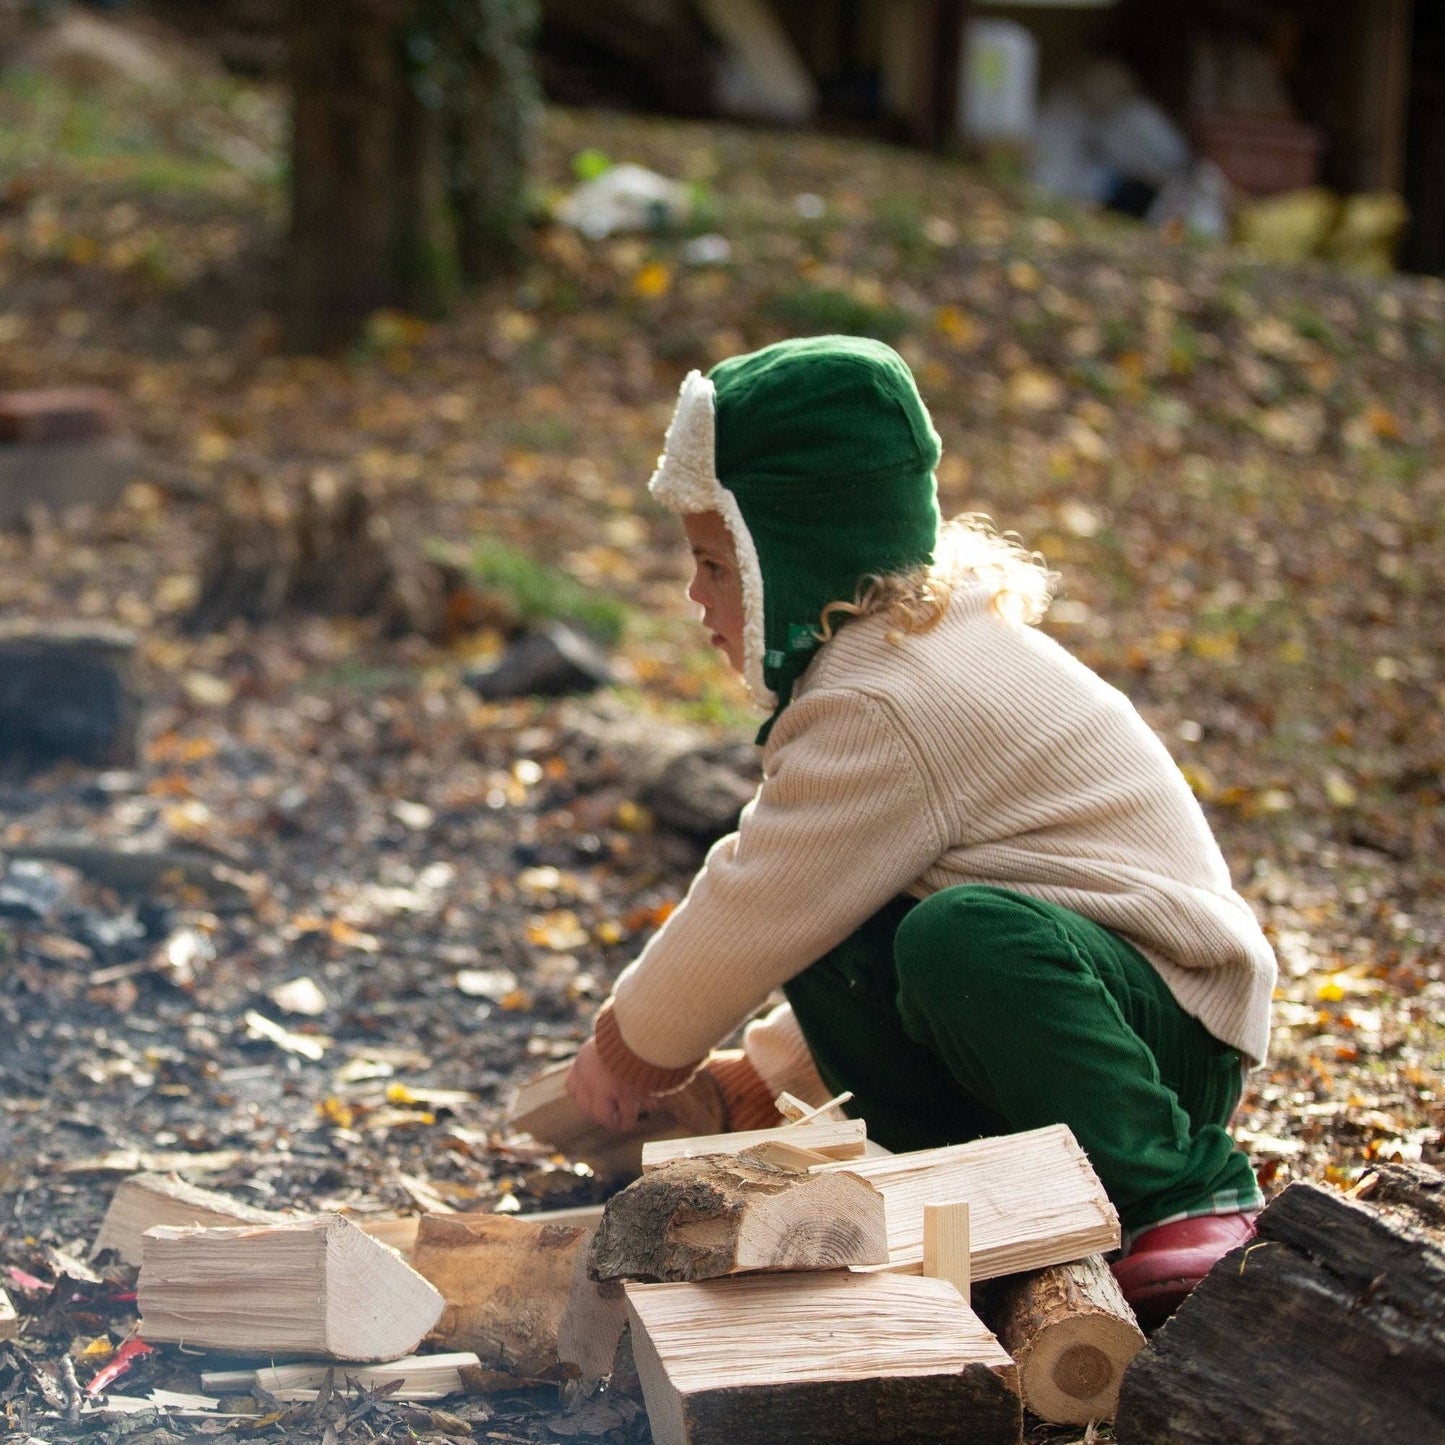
point(629, 1068)
point(748, 1099)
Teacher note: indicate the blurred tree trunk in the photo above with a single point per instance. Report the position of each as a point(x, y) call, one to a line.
point(412, 129)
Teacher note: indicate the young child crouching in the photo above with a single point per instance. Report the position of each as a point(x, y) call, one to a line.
point(983, 886)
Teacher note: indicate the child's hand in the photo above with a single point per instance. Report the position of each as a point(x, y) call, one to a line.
point(602, 1096)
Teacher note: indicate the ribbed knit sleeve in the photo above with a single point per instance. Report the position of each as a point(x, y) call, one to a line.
point(843, 822)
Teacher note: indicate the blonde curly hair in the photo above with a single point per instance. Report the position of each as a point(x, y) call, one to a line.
point(970, 548)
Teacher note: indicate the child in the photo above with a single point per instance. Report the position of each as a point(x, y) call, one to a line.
point(983, 886)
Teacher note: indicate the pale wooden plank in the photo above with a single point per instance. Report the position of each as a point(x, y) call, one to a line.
point(775, 1359)
point(310, 1286)
point(145, 1200)
point(1034, 1200)
point(837, 1138)
point(946, 1246)
point(423, 1377)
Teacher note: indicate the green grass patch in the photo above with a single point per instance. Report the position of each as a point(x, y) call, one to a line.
point(821, 310)
point(539, 593)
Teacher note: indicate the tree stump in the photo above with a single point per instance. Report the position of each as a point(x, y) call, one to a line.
point(1071, 1334)
point(700, 1219)
point(1328, 1329)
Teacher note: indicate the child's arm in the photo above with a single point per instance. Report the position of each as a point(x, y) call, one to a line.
point(845, 820)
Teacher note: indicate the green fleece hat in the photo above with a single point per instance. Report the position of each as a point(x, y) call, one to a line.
point(819, 455)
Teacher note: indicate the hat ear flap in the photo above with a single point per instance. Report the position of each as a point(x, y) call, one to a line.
point(686, 481)
point(686, 476)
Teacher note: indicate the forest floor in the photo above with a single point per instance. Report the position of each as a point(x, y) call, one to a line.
point(1238, 471)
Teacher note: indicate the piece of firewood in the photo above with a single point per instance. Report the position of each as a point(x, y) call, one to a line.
point(543, 1108)
point(423, 1377)
point(1327, 1329)
point(702, 1218)
point(517, 1293)
point(308, 1286)
point(396, 1231)
point(779, 1153)
point(1071, 1334)
point(946, 1245)
point(1034, 1200)
point(822, 1359)
point(9, 1320)
point(145, 1200)
point(844, 1139)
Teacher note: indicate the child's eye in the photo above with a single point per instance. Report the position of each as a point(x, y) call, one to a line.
point(715, 570)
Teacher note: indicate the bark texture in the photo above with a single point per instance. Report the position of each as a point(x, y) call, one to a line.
point(1071, 1334)
point(697, 1219)
point(1328, 1329)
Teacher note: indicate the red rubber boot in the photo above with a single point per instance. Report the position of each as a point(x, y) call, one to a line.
point(1164, 1263)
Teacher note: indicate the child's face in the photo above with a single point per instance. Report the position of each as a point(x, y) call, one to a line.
point(717, 585)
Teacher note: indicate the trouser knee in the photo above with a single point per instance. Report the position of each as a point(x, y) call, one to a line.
point(963, 946)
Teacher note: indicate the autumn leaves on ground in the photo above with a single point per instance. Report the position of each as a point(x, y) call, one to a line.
point(1238, 472)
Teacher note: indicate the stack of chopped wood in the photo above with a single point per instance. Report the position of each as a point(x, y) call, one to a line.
point(769, 1281)
point(774, 1292)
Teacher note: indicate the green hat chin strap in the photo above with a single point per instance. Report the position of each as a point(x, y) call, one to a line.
point(686, 482)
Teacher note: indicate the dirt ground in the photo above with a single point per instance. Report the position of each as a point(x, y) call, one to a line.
point(1237, 470)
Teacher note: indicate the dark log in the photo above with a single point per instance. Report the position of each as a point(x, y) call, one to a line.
point(68, 692)
point(1328, 1329)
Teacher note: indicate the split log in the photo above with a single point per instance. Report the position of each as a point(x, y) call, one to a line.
point(9, 1320)
point(543, 1108)
point(1328, 1329)
point(841, 1139)
point(699, 1219)
point(1071, 1333)
point(422, 1377)
point(145, 1200)
point(1034, 1200)
point(822, 1359)
point(310, 1286)
point(517, 1293)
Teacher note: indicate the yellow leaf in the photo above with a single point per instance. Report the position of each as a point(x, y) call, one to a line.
point(957, 327)
point(1215, 646)
point(336, 1112)
point(212, 446)
point(518, 1001)
point(652, 281)
point(1339, 790)
point(633, 817)
point(1030, 389)
point(98, 1348)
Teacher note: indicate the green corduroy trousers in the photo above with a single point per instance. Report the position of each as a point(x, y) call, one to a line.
point(979, 1011)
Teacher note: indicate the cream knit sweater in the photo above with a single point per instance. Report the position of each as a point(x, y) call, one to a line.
point(977, 752)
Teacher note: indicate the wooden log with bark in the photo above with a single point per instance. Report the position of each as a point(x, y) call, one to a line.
point(1034, 1200)
point(306, 1287)
point(518, 1295)
point(699, 1219)
point(1327, 1329)
point(145, 1200)
point(543, 1108)
point(1072, 1335)
point(820, 1359)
